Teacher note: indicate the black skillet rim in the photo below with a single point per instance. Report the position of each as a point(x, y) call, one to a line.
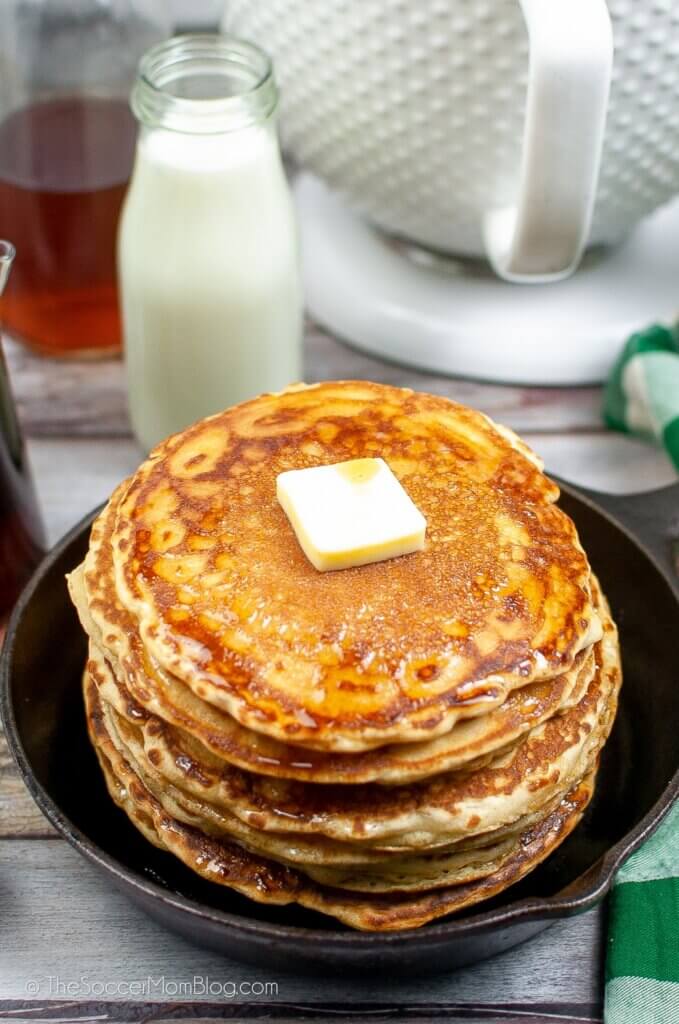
point(582, 894)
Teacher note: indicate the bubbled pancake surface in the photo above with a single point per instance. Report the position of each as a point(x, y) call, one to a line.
point(208, 566)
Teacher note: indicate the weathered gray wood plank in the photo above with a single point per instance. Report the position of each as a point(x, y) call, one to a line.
point(74, 475)
point(18, 814)
point(67, 397)
point(69, 1011)
point(87, 398)
point(109, 941)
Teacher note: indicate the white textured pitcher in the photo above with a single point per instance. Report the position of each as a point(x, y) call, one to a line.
point(482, 126)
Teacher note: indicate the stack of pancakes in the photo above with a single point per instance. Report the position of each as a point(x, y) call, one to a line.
point(385, 744)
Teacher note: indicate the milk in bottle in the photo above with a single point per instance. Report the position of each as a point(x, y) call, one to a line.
point(208, 260)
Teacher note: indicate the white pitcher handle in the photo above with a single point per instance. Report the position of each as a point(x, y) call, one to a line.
point(542, 236)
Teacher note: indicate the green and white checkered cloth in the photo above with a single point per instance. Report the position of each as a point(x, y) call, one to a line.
point(642, 394)
point(642, 960)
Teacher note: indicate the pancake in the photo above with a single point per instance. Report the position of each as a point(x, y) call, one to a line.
point(226, 863)
point(343, 865)
point(186, 731)
point(387, 744)
point(294, 848)
point(315, 853)
point(443, 810)
point(224, 599)
point(346, 865)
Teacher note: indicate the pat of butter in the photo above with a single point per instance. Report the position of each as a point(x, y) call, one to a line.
point(350, 514)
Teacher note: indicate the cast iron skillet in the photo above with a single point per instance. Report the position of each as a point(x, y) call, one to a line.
point(630, 542)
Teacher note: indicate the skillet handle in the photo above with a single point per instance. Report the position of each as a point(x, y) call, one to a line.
point(652, 517)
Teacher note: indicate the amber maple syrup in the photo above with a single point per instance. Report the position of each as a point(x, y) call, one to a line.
point(64, 168)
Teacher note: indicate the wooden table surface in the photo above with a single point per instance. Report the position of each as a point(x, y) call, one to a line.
point(71, 947)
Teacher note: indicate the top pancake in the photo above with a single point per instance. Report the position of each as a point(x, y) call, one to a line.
point(207, 563)
point(137, 684)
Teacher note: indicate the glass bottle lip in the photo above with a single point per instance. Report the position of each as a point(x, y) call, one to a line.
point(250, 93)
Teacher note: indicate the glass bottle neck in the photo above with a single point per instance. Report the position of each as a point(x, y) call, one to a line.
point(204, 84)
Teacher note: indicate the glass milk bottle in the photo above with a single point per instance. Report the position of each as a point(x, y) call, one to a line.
point(207, 252)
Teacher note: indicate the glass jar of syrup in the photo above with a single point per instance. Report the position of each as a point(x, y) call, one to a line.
point(67, 142)
point(21, 535)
